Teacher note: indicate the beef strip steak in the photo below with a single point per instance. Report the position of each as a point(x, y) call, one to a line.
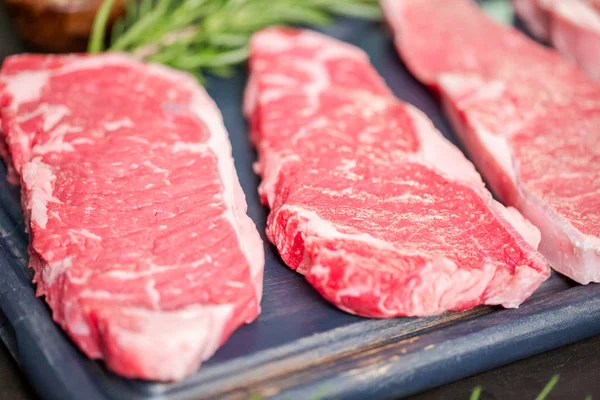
point(528, 118)
point(572, 26)
point(382, 215)
point(139, 237)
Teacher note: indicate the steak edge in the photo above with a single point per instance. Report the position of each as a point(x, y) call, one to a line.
point(528, 118)
point(572, 26)
point(139, 235)
point(382, 215)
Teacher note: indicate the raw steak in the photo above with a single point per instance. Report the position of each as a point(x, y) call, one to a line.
point(572, 26)
point(139, 237)
point(528, 118)
point(382, 215)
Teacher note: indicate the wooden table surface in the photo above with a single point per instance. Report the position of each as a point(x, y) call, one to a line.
point(577, 364)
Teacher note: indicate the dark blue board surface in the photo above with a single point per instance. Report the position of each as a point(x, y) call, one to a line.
point(300, 347)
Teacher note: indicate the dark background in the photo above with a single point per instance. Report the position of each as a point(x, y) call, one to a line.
point(577, 364)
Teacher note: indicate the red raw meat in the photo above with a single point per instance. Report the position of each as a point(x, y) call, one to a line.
point(572, 26)
point(139, 237)
point(382, 215)
point(528, 118)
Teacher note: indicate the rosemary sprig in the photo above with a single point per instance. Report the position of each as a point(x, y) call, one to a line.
point(99, 28)
point(210, 35)
point(548, 388)
point(476, 393)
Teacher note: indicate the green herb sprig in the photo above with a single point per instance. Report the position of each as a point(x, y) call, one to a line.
point(210, 35)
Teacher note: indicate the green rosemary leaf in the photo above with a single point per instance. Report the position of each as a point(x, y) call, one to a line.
point(131, 12)
point(225, 71)
point(228, 40)
point(96, 43)
point(118, 28)
point(476, 393)
point(143, 8)
point(213, 35)
point(304, 15)
point(357, 9)
point(141, 27)
point(548, 388)
point(212, 58)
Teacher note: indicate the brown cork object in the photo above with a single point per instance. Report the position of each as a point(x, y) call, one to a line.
point(57, 25)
